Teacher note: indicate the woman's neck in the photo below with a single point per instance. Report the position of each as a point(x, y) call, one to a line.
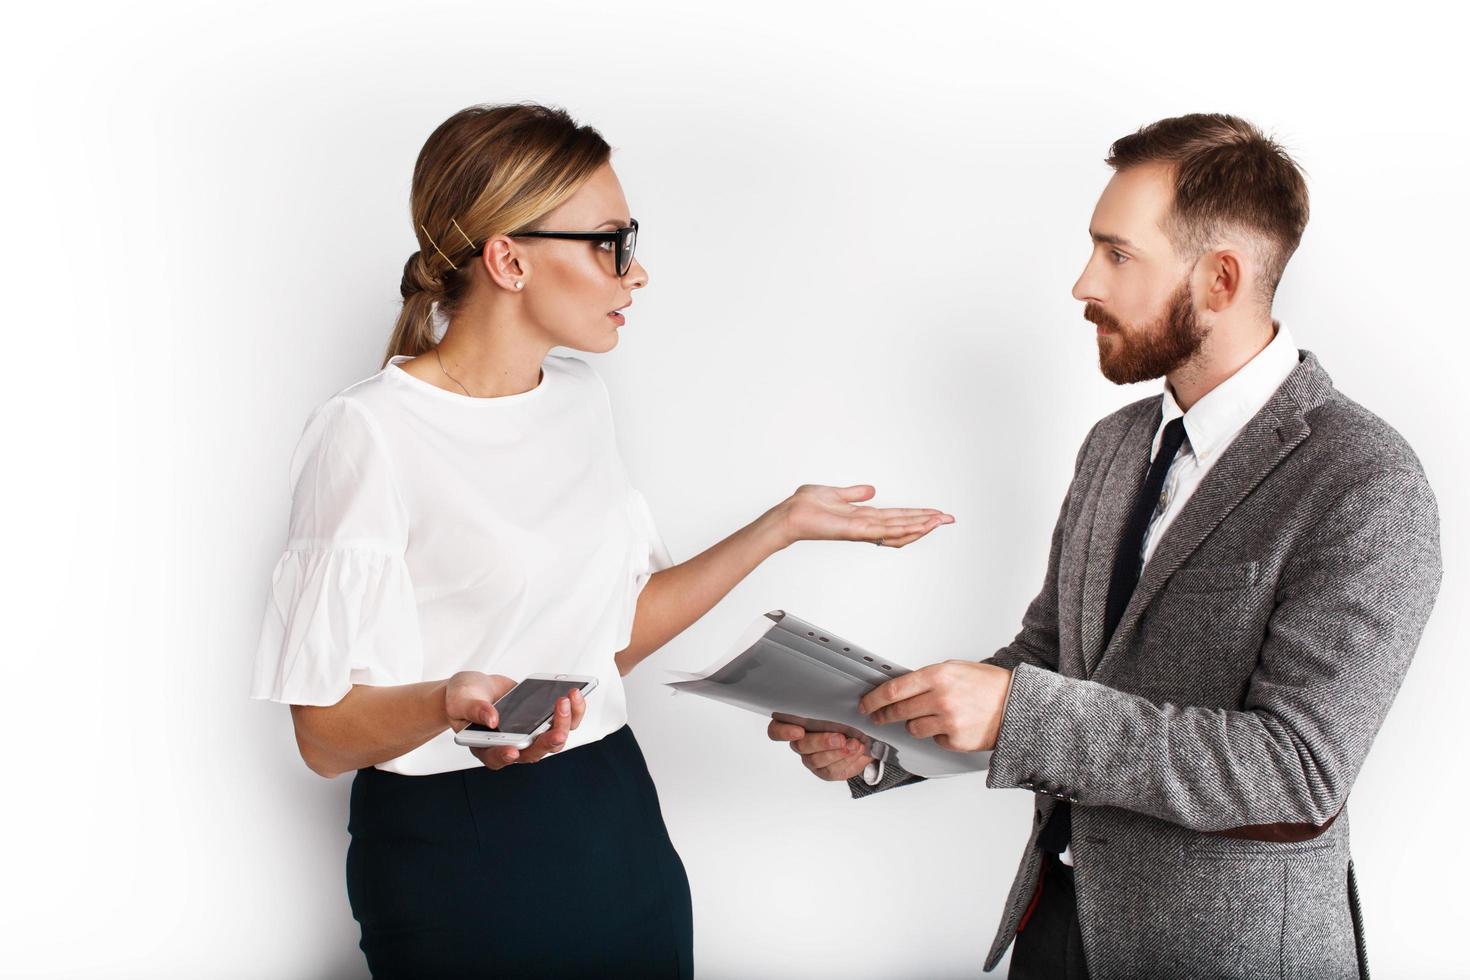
point(489, 359)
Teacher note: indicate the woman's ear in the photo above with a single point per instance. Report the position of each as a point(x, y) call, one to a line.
point(506, 263)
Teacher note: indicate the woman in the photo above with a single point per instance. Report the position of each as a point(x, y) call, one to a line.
point(462, 519)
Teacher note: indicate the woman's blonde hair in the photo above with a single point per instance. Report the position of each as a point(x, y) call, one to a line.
point(486, 170)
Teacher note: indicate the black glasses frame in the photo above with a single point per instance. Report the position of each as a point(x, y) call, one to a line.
point(625, 240)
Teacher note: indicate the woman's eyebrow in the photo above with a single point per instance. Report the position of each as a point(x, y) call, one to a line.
point(616, 223)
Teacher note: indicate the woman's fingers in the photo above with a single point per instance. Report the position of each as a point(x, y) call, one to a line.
point(888, 533)
point(900, 513)
point(579, 706)
point(861, 491)
point(891, 531)
point(469, 696)
point(566, 716)
point(903, 536)
point(497, 758)
point(554, 737)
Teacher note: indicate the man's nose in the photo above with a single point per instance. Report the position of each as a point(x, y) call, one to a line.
point(1085, 288)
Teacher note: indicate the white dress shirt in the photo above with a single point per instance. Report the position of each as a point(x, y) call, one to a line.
point(1210, 426)
point(432, 532)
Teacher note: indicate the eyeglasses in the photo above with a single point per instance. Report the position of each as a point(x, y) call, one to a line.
point(624, 240)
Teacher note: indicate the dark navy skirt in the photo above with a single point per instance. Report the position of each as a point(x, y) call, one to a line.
point(561, 868)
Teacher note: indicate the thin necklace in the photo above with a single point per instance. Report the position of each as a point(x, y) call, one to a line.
point(448, 375)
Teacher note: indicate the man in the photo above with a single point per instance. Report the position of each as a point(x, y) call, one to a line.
point(1238, 578)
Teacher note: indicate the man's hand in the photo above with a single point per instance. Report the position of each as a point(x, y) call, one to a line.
point(828, 754)
point(958, 703)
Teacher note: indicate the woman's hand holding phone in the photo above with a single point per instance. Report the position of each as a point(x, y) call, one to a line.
point(469, 698)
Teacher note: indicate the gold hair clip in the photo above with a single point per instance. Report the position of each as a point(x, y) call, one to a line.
point(469, 241)
point(437, 248)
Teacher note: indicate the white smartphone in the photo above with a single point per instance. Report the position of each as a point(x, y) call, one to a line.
point(525, 711)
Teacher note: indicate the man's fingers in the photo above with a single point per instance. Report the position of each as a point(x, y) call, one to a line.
point(926, 727)
point(825, 758)
point(915, 707)
point(579, 706)
point(780, 731)
point(818, 741)
point(844, 770)
point(898, 689)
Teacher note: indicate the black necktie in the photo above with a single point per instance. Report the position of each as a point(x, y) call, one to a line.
point(1129, 558)
point(1127, 563)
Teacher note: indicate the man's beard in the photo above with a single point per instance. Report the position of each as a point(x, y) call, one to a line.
point(1142, 354)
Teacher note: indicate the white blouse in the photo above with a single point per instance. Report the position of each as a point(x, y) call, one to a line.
point(432, 532)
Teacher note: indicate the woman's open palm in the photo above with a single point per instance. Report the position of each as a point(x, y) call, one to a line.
point(822, 513)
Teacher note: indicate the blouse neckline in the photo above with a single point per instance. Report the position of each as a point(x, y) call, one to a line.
point(420, 384)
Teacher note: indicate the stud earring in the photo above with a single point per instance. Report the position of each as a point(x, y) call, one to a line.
point(519, 284)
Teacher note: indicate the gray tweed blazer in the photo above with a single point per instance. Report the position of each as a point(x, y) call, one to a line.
point(1208, 751)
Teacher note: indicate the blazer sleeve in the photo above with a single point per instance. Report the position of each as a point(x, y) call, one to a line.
point(1036, 644)
point(1351, 603)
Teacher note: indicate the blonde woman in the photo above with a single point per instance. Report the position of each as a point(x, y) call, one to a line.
point(462, 519)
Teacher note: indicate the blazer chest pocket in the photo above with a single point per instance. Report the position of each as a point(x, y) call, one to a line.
point(1214, 578)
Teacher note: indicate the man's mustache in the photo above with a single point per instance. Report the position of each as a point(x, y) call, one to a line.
point(1096, 314)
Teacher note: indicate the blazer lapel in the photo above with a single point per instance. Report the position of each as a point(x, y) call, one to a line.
point(1120, 485)
point(1269, 437)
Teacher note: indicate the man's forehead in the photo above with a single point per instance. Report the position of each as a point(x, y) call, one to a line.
point(1132, 205)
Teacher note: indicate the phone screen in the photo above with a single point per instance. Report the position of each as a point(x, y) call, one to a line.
point(527, 705)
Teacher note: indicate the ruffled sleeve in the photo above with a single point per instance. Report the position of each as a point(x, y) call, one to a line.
point(648, 555)
point(341, 607)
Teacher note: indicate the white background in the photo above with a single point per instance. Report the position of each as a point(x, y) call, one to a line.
point(862, 224)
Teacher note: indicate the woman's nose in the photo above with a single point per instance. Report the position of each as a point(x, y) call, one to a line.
point(637, 276)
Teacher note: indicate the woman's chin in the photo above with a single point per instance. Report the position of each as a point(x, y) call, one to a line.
point(592, 344)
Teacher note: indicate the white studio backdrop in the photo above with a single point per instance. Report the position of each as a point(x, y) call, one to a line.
point(862, 224)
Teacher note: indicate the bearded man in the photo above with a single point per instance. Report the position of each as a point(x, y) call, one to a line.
point(1239, 576)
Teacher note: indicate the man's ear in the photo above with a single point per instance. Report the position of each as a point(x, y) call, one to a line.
point(506, 263)
point(1224, 273)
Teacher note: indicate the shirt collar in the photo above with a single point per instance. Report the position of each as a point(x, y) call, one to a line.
point(1213, 421)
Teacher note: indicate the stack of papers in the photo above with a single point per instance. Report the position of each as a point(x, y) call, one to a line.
point(787, 669)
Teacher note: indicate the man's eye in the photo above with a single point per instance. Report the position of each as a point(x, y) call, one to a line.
point(1118, 257)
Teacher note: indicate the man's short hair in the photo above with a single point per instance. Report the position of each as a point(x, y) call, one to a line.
point(1227, 176)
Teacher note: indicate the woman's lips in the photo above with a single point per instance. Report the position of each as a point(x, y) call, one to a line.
point(617, 318)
